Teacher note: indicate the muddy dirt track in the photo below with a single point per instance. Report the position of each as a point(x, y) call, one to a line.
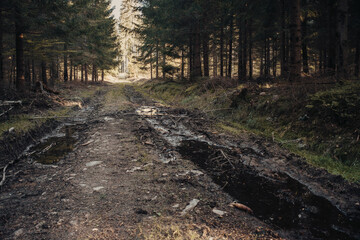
point(153, 172)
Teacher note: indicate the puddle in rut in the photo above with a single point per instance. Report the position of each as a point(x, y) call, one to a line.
point(54, 147)
point(282, 202)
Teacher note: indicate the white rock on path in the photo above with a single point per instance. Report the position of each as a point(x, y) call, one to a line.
point(190, 207)
point(98, 188)
point(93, 164)
point(219, 212)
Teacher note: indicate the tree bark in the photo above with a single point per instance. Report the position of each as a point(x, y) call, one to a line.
point(342, 33)
point(215, 60)
point(250, 53)
point(43, 73)
point(206, 54)
point(164, 64)
point(182, 64)
point(304, 44)
point(283, 60)
point(240, 49)
point(157, 60)
point(229, 73)
point(357, 56)
point(65, 64)
point(1, 52)
point(197, 52)
point(33, 72)
point(82, 73)
point(295, 40)
point(244, 59)
point(20, 66)
point(331, 39)
point(86, 73)
point(102, 75)
point(71, 71)
point(222, 51)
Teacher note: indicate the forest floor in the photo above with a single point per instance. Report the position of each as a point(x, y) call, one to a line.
point(122, 166)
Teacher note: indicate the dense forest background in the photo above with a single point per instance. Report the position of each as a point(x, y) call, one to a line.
point(44, 41)
point(248, 39)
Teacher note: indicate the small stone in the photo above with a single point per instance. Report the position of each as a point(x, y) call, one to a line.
point(93, 164)
point(218, 212)
point(19, 232)
point(176, 206)
point(98, 188)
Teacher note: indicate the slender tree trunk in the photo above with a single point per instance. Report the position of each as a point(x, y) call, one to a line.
point(157, 60)
point(215, 60)
point(43, 73)
point(33, 73)
point(295, 40)
point(191, 57)
point(331, 40)
point(182, 65)
point(65, 64)
point(342, 33)
point(245, 45)
point(262, 61)
point(197, 52)
point(240, 49)
point(274, 58)
point(20, 68)
point(304, 45)
point(151, 70)
point(283, 61)
point(1, 52)
point(357, 56)
point(206, 54)
point(250, 53)
point(222, 52)
point(86, 73)
point(82, 73)
point(229, 73)
point(163, 65)
point(71, 70)
point(75, 73)
point(102, 75)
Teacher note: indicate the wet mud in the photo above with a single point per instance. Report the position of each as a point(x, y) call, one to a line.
point(247, 171)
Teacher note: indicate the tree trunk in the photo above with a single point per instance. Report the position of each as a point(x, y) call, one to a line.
point(71, 71)
point(163, 65)
point(222, 52)
point(250, 53)
point(43, 73)
point(197, 52)
point(20, 68)
point(304, 44)
point(102, 75)
point(331, 39)
point(357, 56)
point(157, 60)
point(295, 40)
point(240, 53)
point(342, 33)
point(283, 61)
point(182, 65)
point(151, 70)
point(206, 54)
point(86, 73)
point(229, 73)
point(82, 73)
point(274, 58)
point(1, 52)
point(215, 60)
point(65, 64)
point(244, 59)
point(33, 73)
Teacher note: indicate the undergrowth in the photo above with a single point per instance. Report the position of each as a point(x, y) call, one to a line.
point(320, 124)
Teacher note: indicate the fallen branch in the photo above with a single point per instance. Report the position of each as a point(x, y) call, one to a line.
point(227, 158)
point(11, 108)
point(215, 110)
point(87, 143)
point(7, 103)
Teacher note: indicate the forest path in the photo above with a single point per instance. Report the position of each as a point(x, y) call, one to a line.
point(115, 184)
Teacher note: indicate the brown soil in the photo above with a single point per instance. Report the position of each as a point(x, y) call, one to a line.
point(115, 184)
